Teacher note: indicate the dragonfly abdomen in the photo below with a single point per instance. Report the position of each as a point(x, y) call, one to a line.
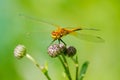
point(77, 29)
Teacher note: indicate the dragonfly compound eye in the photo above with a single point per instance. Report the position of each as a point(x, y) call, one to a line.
point(54, 35)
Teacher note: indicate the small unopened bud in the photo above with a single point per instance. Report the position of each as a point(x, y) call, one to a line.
point(71, 51)
point(44, 68)
point(20, 51)
point(56, 49)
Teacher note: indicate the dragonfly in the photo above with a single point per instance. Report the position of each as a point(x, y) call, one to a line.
point(60, 32)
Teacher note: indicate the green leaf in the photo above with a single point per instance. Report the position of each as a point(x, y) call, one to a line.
point(83, 70)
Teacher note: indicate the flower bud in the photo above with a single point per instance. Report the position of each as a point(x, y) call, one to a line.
point(71, 51)
point(56, 49)
point(20, 51)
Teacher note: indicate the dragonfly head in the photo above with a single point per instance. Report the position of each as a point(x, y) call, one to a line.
point(55, 35)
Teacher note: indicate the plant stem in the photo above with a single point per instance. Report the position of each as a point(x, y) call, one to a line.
point(45, 72)
point(65, 65)
point(76, 65)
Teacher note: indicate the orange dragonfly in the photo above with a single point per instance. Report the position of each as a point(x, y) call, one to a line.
point(60, 32)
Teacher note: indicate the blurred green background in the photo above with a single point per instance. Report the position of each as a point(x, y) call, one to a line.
point(103, 57)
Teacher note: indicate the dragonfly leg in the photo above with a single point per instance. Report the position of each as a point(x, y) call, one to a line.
point(59, 41)
point(62, 41)
point(53, 41)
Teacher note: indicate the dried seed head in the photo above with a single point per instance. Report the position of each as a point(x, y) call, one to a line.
point(71, 51)
point(20, 51)
point(56, 49)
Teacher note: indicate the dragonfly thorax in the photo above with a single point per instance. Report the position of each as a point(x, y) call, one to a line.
point(57, 34)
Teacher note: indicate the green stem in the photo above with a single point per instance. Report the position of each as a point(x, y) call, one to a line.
point(45, 72)
point(65, 65)
point(76, 65)
point(48, 77)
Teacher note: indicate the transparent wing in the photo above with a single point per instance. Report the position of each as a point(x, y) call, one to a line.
point(83, 28)
point(91, 38)
point(39, 20)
